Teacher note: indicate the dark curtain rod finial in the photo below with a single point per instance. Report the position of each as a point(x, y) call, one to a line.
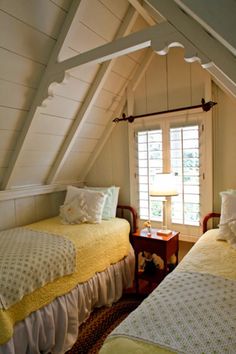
point(130, 119)
point(206, 106)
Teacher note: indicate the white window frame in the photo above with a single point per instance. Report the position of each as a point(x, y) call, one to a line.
point(167, 120)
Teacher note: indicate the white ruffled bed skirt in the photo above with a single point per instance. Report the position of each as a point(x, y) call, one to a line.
point(54, 328)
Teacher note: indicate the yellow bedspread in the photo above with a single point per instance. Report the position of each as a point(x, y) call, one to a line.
point(97, 245)
point(210, 256)
point(207, 256)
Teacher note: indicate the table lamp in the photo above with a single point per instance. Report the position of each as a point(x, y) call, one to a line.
point(164, 186)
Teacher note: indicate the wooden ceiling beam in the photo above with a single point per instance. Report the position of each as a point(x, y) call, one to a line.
point(121, 46)
point(218, 18)
point(41, 94)
point(158, 18)
point(140, 71)
point(140, 9)
point(222, 62)
point(92, 95)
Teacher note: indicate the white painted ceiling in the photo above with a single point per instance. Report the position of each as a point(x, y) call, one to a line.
point(66, 66)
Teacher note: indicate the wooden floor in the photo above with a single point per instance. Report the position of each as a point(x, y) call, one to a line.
point(184, 247)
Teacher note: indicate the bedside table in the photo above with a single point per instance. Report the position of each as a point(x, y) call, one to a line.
point(163, 246)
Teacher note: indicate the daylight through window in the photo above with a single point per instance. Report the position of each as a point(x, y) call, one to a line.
point(185, 163)
point(183, 159)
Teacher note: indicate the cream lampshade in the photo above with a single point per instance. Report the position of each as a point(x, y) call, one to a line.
point(164, 186)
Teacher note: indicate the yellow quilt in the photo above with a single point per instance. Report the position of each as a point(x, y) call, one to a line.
point(97, 245)
point(207, 256)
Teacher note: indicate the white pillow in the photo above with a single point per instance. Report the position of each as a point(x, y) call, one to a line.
point(111, 202)
point(228, 206)
point(71, 193)
point(227, 227)
point(85, 206)
point(232, 226)
point(116, 191)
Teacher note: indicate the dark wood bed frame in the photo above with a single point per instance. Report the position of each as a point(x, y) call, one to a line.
point(208, 217)
point(129, 213)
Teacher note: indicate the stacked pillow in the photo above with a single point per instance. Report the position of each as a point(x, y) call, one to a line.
point(112, 193)
point(227, 226)
point(89, 205)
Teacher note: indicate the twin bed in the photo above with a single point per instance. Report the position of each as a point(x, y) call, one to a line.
point(194, 309)
point(54, 273)
point(191, 311)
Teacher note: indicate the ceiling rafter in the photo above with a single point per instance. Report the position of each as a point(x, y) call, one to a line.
point(209, 15)
point(129, 88)
point(155, 15)
point(41, 93)
point(222, 62)
point(144, 13)
point(121, 46)
point(93, 92)
point(218, 60)
point(110, 126)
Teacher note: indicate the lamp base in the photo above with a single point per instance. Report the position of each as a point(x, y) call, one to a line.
point(164, 232)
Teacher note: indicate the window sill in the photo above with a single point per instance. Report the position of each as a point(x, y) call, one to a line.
point(188, 238)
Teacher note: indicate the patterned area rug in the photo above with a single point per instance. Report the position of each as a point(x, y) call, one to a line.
point(101, 322)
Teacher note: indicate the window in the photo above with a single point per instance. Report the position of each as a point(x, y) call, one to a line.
point(150, 162)
point(177, 145)
point(185, 163)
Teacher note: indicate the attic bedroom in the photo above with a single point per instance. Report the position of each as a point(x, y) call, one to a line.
point(72, 73)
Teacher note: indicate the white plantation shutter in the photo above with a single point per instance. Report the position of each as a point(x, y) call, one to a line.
point(181, 144)
point(185, 163)
point(149, 162)
point(184, 156)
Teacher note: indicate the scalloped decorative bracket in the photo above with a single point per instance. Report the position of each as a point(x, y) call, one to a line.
point(59, 79)
point(175, 39)
point(160, 38)
point(221, 62)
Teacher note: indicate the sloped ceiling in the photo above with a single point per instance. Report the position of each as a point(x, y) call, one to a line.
point(66, 66)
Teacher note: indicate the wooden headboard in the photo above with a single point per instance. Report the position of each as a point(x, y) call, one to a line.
point(208, 217)
point(129, 213)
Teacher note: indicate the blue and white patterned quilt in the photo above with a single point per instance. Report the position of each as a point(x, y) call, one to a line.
point(176, 315)
point(29, 259)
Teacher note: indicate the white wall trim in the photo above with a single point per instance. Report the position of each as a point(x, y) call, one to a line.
point(188, 238)
point(35, 190)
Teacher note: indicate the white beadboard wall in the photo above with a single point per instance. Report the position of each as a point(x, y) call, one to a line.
point(168, 83)
point(112, 165)
point(110, 96)
point(23, 61)
point(24, 58)
point(224, 132)
point(23, 211)
point(28, 32)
